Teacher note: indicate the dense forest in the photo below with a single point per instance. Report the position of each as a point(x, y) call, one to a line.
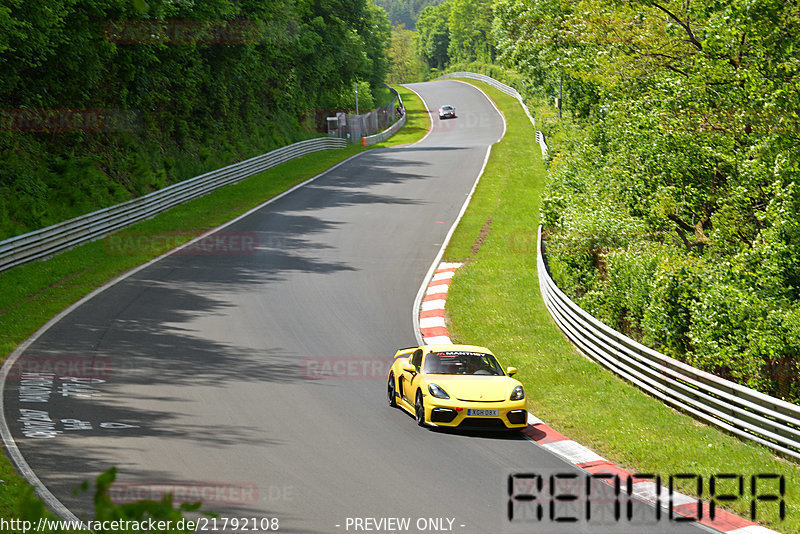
point(405, 12)
point(447, 35)
point(107, 99)
point(675, 215)
point(672, 210)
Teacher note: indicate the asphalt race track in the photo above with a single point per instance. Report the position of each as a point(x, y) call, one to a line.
point(253, 371)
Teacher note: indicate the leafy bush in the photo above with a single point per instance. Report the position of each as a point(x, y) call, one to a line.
point(30, 508)
point(672, 211)
point(668, 319)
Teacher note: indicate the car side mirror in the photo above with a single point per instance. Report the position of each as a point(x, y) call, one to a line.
point(407, 367)
point(511, 371)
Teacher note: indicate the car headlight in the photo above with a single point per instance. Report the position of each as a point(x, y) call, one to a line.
point(438, 392)
point(518, 393)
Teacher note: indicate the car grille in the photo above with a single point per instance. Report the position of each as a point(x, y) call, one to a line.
point(482, 423)
point(442, 415)
point(517, 417)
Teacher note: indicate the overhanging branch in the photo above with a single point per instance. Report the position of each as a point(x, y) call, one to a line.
point(682, 24)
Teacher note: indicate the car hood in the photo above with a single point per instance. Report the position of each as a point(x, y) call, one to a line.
point(483, 388)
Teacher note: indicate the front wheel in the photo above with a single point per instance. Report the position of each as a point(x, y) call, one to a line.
point(391, 391)
point(419, 410)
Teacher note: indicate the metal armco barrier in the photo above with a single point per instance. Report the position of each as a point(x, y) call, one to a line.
point(374, 139)
point(386, 134)
point(500, 86)
point(735, 408)
point(542, 144)
point(53, 239)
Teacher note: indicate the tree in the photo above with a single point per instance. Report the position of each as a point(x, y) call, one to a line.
point(690, 160)
point(406, 65)
point(203, 89)
point(376, 34)
point(433, 35)
point(470, 25)
point(405, 12)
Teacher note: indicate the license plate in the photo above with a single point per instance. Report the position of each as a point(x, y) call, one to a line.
point(483, 413)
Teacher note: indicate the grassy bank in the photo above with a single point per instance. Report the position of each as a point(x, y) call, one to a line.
point(33, 293)
point(494, 300)
point(417, 120)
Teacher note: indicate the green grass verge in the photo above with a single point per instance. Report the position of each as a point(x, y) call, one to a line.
point(417, 121)
point(33, 293)
point(494, 300)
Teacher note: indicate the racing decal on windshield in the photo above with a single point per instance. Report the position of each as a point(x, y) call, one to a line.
point(454, 353)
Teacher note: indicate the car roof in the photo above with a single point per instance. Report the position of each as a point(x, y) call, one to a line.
point(447, 106)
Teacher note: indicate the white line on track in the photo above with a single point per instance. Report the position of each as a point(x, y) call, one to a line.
point(50, 500)
point(418, 304)
point(571, 451)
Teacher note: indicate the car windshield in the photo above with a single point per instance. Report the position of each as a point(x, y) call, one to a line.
point(447, 108)
point(461, 363)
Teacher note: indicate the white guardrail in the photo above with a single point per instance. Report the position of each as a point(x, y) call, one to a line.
point(53, 239)
point(391, 130)
point(507, 89)
point(500, 86)
point(542, 144)
point(735, 408)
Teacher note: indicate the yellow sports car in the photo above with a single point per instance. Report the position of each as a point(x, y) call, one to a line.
point(458, 386)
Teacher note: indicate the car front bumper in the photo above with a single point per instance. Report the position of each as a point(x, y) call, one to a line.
point(454, 413)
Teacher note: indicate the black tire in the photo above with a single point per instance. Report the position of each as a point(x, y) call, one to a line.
point(391, 391)
point(419, 410)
